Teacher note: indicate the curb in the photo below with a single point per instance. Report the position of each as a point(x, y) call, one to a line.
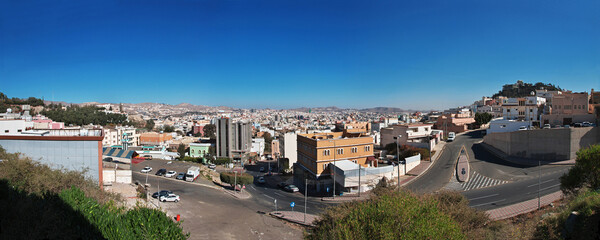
point(281, 216)
point(427, 169)
point(501, 214)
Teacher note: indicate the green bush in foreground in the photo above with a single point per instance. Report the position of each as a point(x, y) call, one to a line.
point(390, 215)
point(115, 223)
point(586, 225)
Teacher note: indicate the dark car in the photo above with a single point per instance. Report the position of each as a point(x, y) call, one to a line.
point(281, 184)
point(161, 193)
point(108, 159)
point(180, 176)
point(161, 172)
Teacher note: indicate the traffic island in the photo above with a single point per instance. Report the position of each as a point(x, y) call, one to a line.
point(462, 165)
point(296, 217)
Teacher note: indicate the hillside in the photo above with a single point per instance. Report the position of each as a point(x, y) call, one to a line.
point(522, 89)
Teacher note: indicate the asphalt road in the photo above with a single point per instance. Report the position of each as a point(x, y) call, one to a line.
point(209, 213)
point(266, 194)
point(522, 179)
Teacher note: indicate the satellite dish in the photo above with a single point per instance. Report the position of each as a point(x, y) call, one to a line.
point(8, 110)
point(532, 93)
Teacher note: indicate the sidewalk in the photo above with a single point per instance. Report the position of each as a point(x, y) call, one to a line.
point(522, 161)
point(348, 197)
point(423, 166)
point(295, 217)
point(522, 207)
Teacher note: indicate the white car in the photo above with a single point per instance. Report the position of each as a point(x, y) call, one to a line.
point(146, 170)
point(170, 174)
point(523, 128)
point(170, 198)
point(451, 136)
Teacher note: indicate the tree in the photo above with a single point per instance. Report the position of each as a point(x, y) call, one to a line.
point(239, 178)
point(181, 150)
point(168, 128)
point(210, 131)
point(150, 124)
point(268, 140)
point(585, 173)
point(482, 118)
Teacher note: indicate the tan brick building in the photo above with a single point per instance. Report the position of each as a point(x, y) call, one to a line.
point(318, 150)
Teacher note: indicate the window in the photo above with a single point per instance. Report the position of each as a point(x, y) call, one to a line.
point(354, 149)
point(20, 130)
point(5, 131)
point(325, 166)
point(326, 152)
point(354, 161)
point(367, 148)
point(530, 110)
point(192, 150)
point(340, 151)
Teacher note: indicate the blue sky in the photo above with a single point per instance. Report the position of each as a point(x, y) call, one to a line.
point(283, 54)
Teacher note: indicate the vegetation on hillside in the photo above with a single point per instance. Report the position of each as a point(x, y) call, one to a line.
point(38, 202)
point(406, 151)
point(6, 102)
point(83, 115)
point(482, 118)
point(524, 89)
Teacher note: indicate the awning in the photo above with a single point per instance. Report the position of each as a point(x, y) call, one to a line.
point(117, 152)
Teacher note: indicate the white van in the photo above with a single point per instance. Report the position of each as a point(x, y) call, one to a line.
point(451, 136)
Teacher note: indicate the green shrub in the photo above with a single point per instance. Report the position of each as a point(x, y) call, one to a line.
point(192, 159)
point(241, 178)
point(391, 215)
point(586, 225)
point(222, 160)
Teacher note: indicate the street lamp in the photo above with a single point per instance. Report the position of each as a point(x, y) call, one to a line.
point(539, 182)
point(398, 155)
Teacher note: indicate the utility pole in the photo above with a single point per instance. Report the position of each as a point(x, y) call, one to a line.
point(539, 182)
point(398, 156)
point(305, 196)
point(333, 170)
point(359, 168)
point(235, 182)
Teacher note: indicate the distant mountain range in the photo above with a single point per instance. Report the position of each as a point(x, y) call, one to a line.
point(374, 109)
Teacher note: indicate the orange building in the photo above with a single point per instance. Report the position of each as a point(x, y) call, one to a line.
point(316, 151)
point(154, 138)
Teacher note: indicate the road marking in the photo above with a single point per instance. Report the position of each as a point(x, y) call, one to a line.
point(276, 193)
point(488, 203)
point(542, 189)
point(253, 187)
point(479, 181)
point(541, 182)
point(268, 196)
point(496, 194)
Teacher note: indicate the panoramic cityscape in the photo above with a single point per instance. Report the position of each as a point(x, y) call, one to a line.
point(299, 120)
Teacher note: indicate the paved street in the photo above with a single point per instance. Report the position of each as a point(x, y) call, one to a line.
point(210, 213)
point(494, 182)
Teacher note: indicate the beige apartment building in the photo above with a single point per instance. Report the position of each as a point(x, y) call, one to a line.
point(567, 107)
point(316, 151)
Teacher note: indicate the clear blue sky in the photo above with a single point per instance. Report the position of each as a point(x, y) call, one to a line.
point(280, 54)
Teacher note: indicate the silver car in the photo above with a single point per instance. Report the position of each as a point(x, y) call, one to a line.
point(170, 198)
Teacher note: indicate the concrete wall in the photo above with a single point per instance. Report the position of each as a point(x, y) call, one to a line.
point(546, 144)
point(118, 176)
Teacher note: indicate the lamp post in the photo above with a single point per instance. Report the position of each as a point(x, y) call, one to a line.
point(305, 196)
point(539, 182)
point(398, 156)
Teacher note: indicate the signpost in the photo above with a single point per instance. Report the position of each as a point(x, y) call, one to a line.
point(292, 204)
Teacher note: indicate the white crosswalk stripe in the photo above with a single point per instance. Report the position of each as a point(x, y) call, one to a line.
point(477, 181)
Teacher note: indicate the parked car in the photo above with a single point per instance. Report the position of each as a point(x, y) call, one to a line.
point(161, 172)
point(567, 126)
point(169, 198)
point(262, 169)
point(212, 166)
point(586, 124)
point(108, 159)
point(578, 125)
point(291, 188)
point(546, 126)
point(147, 157)
point(170, 174)
point(261, 180)
point(523, 128)
point(146, 170)
point(451, 136)
point(281, 184)
point(161, 193)
point(180, 176)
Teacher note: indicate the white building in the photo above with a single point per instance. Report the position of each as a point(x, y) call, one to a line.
point(14, 127)
point(504, 125)
point(288, 147)
point(418, 135)
point(258, 146)
point(524, 109)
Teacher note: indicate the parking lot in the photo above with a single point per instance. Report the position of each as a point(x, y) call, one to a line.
point(210, 213)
